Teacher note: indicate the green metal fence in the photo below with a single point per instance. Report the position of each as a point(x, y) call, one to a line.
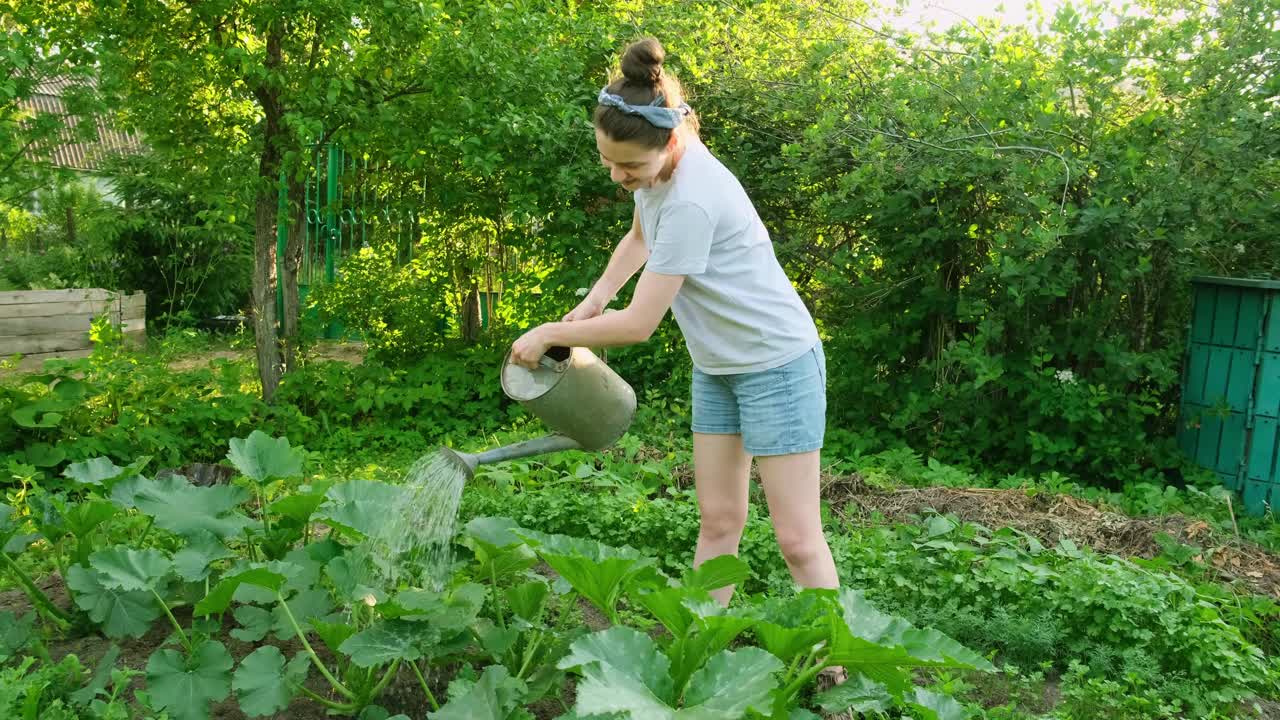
point(350, 202)
point(1231, 386)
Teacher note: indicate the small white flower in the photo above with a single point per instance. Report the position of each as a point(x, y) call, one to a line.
point(370, 600)
point(1065, 376)
point(582, 292)
point(1240, 248)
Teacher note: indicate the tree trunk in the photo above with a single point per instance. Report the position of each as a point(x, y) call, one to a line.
point(292, 261)
point(265, 217)
point(471, 323)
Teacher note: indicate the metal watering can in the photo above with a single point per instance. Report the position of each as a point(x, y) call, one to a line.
point(573, 392)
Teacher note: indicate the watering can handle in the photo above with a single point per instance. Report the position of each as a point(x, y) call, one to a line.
point(551, 363)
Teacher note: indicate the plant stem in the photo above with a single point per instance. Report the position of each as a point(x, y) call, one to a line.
point(497, 597)
point(386, 678)
point(262, 510)
point(340, 707)
point(186, 642)
point(146, 531)
point(435, 706)
point(528, 654)
point(806, 676)
point(253, 549)
point(36, 594)
point(312, 653)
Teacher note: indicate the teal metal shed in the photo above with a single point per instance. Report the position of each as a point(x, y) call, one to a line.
point(1230, 412)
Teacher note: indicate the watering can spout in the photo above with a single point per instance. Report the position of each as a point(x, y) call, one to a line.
point(585, 403)
point(468, 462)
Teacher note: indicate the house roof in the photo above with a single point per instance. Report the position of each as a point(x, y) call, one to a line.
point(68, 150)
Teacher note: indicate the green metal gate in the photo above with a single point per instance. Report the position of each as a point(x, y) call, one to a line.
point(1230, 413)
point(349, 203)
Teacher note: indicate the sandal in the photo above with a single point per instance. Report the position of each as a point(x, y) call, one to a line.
point(827, 679)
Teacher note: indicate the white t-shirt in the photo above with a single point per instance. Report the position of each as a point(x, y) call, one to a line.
point(737, 310)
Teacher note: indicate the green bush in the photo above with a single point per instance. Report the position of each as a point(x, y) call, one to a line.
point(400, 310)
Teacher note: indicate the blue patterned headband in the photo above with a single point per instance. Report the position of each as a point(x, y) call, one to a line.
point(654, 112)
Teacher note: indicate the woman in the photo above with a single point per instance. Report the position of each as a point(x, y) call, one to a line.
point(759, 379)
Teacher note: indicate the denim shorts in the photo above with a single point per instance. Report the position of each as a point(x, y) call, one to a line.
point(779, 411)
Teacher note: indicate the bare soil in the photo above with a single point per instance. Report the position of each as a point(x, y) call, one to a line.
point(1052, 518)
point(348, 352)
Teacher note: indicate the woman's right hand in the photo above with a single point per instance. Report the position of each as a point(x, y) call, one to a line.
point(589, 307)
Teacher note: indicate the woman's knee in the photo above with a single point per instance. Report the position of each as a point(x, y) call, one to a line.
point(722, 521)
point(801, 547)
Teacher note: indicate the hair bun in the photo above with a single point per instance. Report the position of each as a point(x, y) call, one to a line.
point(642, 62)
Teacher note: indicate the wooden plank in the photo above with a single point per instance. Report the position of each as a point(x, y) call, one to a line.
point(1224, 316)
point(1231, 444)
point(134, 300)
point(1240, 379)
point(1205, 302)
point(36, 361)
point(1271, 336)
point(1197, 374)
point(135, 338)
point(1249, 321)
point(45, 325)
point(26, 297)
point(1267, 400)
point(135, 325)
point(1264, 446)
point(51, 309)
point(32, 344)
point(133, 314)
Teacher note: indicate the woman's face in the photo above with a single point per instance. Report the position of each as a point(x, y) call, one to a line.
point(631, 165)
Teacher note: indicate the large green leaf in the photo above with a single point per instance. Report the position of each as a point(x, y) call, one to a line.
point(103, 473)
point(305, 607)
point(261, 457)
point(265, 684)
point(119, 613)
point(182, 508)
point(711, 635)
point(332, 633)
point(185, 686)
point(858, 693)
point(15, 633)
point(361, 506)
point(255, 623)
point(790, 626)
point(623, 670)
point(203, 549)
point(597, 571)
point(865, 638)
point(270, 576)
point(497, 532)
point(123, 568)
point(492, 697)
point(383, 642)
point(452, 610)
point(717, 573)
point(302, 503)
point(94, 471)
point(731, 683)
point(83, 517)
point(499, 551)
point(528, 600)
point(668, 607)
point(934, 706)
point(42, 454)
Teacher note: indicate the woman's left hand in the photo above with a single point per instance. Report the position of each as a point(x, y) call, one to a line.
point(530, 348)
